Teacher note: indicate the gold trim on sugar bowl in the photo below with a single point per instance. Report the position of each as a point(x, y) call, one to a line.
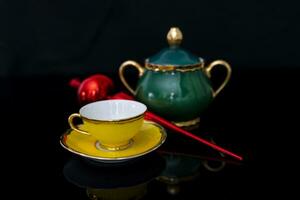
point(164, 68)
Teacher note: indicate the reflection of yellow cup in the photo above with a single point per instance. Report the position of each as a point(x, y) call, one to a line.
point(121, 193)
point(112, 122)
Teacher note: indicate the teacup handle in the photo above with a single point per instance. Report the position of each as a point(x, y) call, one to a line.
point(121, 73)
point(228, 75)
point(70, 120)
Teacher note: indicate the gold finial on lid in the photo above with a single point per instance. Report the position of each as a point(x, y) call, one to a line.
point(174, 36)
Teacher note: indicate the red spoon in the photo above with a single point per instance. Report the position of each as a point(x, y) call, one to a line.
point(152, 117)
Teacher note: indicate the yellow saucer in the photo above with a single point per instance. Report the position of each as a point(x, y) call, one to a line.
point(149, 138)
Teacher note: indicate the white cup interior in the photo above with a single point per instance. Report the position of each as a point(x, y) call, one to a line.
point(110, 110)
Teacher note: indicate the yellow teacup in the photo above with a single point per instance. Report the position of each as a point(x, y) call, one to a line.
point(112, 122)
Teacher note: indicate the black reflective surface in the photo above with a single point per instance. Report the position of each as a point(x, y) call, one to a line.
point(252, 117)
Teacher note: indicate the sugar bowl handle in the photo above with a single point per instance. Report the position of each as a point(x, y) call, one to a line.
point(122, 69)
point(228, 74)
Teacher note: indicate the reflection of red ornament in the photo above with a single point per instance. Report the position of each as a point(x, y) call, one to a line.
point(93, 88)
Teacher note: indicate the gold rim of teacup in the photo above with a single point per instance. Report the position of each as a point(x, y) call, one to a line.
point(130, 119)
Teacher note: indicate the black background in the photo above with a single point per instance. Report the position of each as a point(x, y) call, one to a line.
point(85, 37)
point(44, 44)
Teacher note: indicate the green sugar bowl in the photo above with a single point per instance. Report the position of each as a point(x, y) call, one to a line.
point(174, 83)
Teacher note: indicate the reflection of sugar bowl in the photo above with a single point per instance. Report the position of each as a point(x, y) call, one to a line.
point(175, 83)
point(182, 168)
point(179, 168)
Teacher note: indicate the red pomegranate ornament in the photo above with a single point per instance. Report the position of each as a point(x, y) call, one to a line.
point(94, 88)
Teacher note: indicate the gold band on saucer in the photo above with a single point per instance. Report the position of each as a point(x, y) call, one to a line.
point(100, 146)
point(150, 137)
point(188, 123)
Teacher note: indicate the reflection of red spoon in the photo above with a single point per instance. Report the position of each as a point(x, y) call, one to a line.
point(152, 117)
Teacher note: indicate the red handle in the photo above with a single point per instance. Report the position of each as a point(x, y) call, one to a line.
point(152, 117)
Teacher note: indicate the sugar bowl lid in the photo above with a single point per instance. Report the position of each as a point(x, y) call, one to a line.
point(174, 55)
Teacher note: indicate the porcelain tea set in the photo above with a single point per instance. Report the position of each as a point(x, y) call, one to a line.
point(174, 84)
